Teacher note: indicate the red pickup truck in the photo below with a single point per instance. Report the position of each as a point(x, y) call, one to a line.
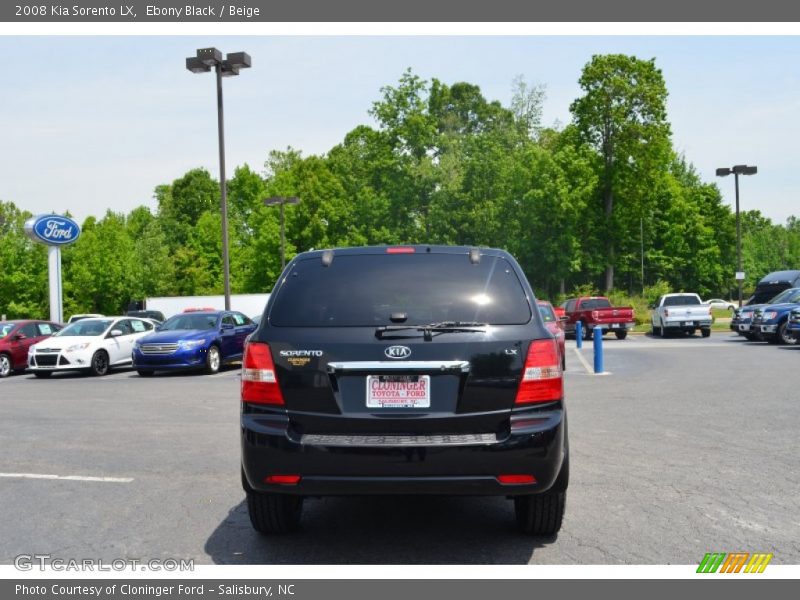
point(596, 311)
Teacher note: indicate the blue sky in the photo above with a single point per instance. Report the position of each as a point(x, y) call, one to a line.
point(95, 123)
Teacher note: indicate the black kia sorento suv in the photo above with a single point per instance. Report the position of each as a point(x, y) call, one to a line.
point(403, 370)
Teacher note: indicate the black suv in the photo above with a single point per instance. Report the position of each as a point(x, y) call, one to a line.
point(403, 370)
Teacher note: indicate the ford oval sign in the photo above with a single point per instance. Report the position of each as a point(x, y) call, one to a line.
point(52, 230)
point(397, 352)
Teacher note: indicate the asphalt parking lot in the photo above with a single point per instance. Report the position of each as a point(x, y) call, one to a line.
point(689, 446)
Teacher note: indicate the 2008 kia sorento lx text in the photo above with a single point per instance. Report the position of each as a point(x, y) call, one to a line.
point(403, 370)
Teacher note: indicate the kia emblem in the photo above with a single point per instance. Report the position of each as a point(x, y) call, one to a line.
point(397, 352)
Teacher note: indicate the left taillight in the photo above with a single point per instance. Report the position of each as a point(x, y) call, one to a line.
point(542, 379)
point(259, 381)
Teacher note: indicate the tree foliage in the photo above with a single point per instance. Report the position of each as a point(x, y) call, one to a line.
point(602, 202)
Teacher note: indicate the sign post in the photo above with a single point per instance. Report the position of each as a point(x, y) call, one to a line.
point(54, 231)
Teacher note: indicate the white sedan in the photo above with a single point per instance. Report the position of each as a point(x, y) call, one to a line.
point(90, 345)
point(720, 304)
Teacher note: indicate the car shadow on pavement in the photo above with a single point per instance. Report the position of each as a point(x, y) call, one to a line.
point(179, 373)
point(382, 530)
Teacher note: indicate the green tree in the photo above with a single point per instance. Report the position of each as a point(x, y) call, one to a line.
point(23, 268)
point(622, 114)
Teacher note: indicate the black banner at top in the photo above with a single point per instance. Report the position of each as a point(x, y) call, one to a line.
point(174, 11)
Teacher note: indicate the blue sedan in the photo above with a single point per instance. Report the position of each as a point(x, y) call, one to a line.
point(201, 340)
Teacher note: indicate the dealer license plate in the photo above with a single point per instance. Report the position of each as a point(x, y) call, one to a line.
point(616, 325)
point(688, 322)
point(398, 391)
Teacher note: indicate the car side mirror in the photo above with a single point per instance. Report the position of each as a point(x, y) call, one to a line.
point(20, 336)
point(115, 332)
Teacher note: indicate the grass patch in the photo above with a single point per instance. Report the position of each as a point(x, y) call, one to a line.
point(721, 313)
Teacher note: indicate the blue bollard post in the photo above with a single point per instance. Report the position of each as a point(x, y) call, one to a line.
point(579, 334)
point(598, 350)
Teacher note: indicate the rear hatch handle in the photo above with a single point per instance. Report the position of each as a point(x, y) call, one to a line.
point(375, 366)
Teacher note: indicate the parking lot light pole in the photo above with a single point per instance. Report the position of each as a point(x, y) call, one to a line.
point(280, 200)
point(203, 62)
point(738, 170)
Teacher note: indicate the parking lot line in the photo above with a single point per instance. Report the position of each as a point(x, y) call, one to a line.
point(228, 373)
point(659, 345)
point(583, 361)
point(68, 477)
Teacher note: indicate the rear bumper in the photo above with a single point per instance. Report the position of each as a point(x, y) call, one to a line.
point(684, 325)
point(534, 446)
point(612, 326)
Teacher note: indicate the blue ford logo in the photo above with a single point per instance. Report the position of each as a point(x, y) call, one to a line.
point(397, 352)
point(53, 230)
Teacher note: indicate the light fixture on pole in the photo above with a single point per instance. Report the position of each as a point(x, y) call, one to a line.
point(280, 200)
point(737, 170)
point(205, 60)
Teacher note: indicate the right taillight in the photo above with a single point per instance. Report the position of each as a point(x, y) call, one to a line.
point(259, 382)
point(542, 379)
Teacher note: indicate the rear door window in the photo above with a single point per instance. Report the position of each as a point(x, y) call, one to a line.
point(367, 289)
point(140, 326)
point(240, 319)
point(45, 328)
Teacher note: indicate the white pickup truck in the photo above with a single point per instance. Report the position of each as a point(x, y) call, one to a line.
point(683, 313)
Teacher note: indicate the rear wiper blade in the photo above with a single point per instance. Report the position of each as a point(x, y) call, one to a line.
point(431, 328)
point(379, 331)
point(455, 324)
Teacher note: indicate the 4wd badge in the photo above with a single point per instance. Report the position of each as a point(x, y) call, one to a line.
point(397, 352)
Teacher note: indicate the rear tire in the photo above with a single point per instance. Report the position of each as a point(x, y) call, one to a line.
point(621, 335)
point(274, 513)
point(542, 514)
point(655, 330)
point(587, 333)
point(705, 332)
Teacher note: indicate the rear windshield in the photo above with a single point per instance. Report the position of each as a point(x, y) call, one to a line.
point(592, 303)
point(681, 300)
point(365, 290)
